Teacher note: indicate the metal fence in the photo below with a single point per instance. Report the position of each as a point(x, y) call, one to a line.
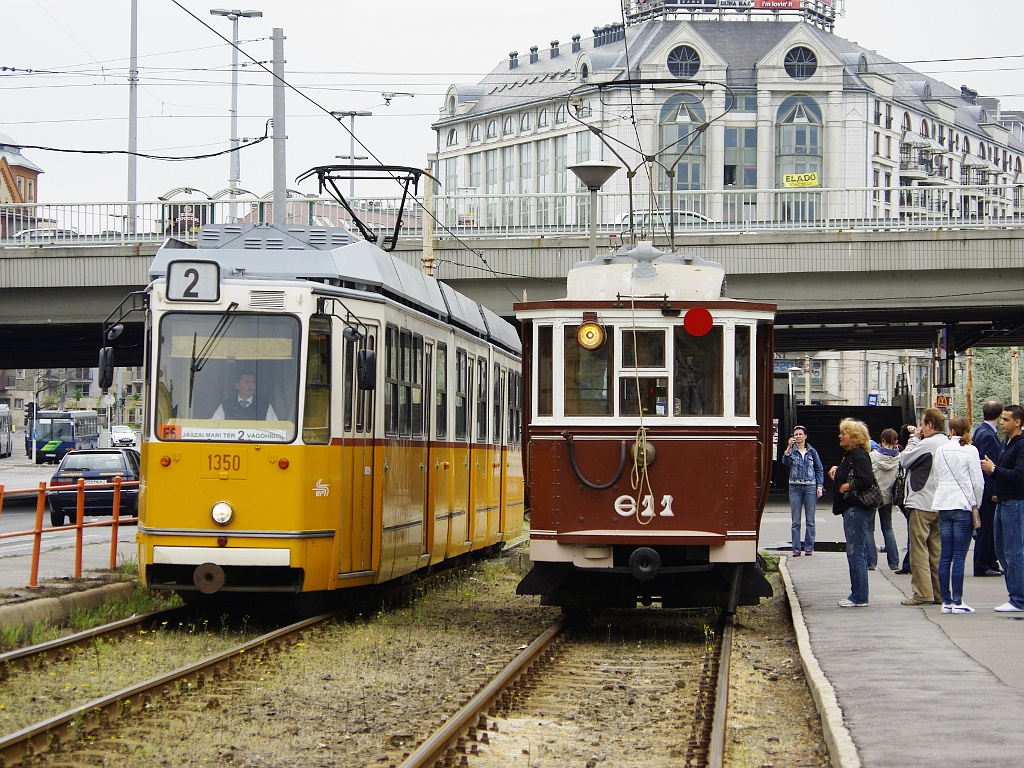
point(479, 215)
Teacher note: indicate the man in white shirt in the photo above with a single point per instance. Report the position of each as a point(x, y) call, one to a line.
point(245, 406)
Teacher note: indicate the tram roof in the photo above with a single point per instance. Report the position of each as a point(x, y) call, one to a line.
point(331, 255)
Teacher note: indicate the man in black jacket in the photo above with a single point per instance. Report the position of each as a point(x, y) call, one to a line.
point(1008, 487)
point(986, 440)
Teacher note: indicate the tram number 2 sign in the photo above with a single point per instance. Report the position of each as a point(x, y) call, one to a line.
point(627, 506)
point(193, 280)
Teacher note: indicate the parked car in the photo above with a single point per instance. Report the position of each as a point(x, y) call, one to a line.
point(122, 435)
point(45, 235)
point(651, 223)
point(97, 466)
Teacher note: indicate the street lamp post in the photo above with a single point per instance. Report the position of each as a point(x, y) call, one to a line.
point(593, 175)
point(234, 170)
point(351, 115)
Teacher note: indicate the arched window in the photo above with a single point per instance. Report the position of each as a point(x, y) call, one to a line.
point(967, 145)
point(543, 119)
point(862, 64)
point(526, 123)
point(800, 63)
point(798, 150)
point(924, 128)
point(560, 114)
point(906, 121)
point(584, 72)
point(451, 105)
point(584, 109)
point(475, 133)
point(681, 117)
point(492, 129)
point(981, 149)
point(509, 126)
point(453, 137)
point(1016, 165)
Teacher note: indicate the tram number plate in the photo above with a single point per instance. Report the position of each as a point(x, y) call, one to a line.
point(223, 464)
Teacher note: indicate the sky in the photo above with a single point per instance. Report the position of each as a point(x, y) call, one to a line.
point(64, 65)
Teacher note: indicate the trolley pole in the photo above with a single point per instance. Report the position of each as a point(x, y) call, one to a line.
point(428, 226)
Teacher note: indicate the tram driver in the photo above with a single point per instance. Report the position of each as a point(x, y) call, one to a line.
point(245, 405)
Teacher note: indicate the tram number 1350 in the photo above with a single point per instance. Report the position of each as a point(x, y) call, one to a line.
point(627, 506)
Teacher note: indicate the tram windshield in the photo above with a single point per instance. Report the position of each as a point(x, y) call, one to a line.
point(227, 377)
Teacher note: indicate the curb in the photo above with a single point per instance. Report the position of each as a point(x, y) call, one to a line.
point(841, 748)
point(56, 609)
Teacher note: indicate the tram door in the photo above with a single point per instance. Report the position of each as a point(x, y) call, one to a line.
point(460, 531)
point(496, 518)
point(357, 464)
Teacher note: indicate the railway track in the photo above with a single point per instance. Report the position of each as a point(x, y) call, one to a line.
point(101, 712)
point(650, 694)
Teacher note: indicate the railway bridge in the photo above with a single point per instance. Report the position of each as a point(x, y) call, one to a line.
point(838, 284)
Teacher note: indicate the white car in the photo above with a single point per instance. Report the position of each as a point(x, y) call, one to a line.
point(121, 435)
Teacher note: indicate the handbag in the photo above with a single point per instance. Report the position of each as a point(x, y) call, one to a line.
point(870, 498)
point(899, 488)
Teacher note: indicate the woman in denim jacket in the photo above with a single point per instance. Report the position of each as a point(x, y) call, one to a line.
point(806, 480)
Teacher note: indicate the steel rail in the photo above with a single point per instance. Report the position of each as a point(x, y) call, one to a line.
point(24, 657)
point(716, 748)
point(39, 737)
point(435, 747)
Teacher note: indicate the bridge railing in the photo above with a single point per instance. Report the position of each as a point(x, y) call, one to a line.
point(941, 205)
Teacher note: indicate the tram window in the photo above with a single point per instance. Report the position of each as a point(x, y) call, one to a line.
point(698, 373)
point(545, 370)
point(364, 403)
point(391, 380)
point(316, 423)
point(441, 391)
point(643, 349)
point(481, 400)
point(205, 361)
point(461, 395)
point(498, 389)
point(588, 376)
point(427, 370)
point(515, 413)
point(742, 370)
point(416, 399)
point(405, 383)
point(350, 362)
point(643, 395)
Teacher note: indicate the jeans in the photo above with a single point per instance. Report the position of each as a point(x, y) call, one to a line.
point(1009, 530)
point(802, 497)
point(955, 529)
point(892, 549)
point(856, 522)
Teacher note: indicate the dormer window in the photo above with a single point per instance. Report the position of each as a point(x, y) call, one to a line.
point(560, 115)
point(451, 105)
point(543, 119)
point(526, 123)
point(683, 61)
point(492, 129)
point(453, 137)
point(509, 127)
point(475, 133)
point(584, 73)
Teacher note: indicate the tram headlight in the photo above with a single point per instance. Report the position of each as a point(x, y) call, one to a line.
point(590, 336)
point(222, 513)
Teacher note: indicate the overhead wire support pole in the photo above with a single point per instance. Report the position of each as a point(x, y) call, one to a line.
point(280, 171)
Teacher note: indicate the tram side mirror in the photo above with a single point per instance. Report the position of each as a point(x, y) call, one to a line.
point(366, 369)
point(106, 367)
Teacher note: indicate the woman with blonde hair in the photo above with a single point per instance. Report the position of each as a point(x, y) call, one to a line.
point(854, 491)
point(958, 494)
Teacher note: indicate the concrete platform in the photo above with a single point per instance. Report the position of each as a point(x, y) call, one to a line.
point(904, 685)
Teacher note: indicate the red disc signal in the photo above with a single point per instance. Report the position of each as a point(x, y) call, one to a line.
point(697, 321)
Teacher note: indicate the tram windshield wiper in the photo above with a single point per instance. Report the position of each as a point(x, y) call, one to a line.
point(199, 360)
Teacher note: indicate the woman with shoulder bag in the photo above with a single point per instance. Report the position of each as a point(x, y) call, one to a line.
point(958, 494)
point(855, 496)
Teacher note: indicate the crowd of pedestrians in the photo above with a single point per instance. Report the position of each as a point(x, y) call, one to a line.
point(953, 485)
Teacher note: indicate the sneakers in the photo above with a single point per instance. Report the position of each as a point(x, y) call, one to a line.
point(1009, 608)
point(809, 552)
point(797, 553)
point(948, 608)
point(960, 608)
point(916, 601)
point(851, 604)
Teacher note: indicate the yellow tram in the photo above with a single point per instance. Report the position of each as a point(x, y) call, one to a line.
point(320, 416)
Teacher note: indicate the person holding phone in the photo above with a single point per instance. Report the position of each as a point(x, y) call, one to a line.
point(806, 484)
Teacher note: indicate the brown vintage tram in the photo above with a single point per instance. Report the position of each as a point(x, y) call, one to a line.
point(648, 434)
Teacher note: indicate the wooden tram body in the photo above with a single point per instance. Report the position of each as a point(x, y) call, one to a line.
point(385, 434)
point(648, 434)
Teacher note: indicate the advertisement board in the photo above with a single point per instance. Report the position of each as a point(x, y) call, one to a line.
point(778, 5)
point(800, 179)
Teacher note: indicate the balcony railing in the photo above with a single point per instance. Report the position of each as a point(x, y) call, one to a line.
point(48, 225)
